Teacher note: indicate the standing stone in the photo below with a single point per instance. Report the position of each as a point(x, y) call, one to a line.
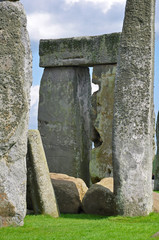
point(39, 182)
point(102, 118)
point(156, 168)
point(133, 111)
point(64, 120)
point(15, 82)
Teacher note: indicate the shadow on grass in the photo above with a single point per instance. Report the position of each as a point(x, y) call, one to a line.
point(83, 216)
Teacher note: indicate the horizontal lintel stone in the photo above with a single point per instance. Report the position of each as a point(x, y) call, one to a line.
point(79, 51)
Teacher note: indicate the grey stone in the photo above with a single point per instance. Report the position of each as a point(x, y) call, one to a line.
point(155, 202)
point(15, 83)
point(156, 167)
point(64, 120)
point(102, 118)
point(79, 51)
point(133, 111)
point(39, 183)
point(99, 199)
point(155, 235)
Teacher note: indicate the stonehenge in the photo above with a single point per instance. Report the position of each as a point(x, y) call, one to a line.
point(107, 135)
point(15, 83)
point(65, 104)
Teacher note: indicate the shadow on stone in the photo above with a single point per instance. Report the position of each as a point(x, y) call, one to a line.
point(69, 192)
point(99, 199)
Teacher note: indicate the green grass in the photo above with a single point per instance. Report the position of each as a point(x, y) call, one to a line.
point(156, 191)
point(83, 227)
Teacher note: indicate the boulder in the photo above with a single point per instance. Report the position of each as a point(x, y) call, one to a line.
point(69, 192)
point(108, 183)
point(99, 198)
point(156, 202)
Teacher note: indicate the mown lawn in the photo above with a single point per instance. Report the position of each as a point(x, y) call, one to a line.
point(83, 227)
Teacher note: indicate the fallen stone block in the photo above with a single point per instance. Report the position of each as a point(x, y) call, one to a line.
point(99, 199)
point(69, 192)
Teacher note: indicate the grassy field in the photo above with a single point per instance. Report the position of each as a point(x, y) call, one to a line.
point(83, 227)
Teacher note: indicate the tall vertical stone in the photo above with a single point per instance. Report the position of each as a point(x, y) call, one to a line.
point(156, 167)
point(64, 121)
point(102, 118)
point(15, 82)
point(133, 111)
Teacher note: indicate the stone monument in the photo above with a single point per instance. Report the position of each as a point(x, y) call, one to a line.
point(102, 118)
point(133, 124)
point(156, 170)
point(65, 97)
point(15, 83)
point(41, 191)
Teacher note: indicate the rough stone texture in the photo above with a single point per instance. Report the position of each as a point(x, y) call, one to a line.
point(99, 199)
point(39, 183)
point(15, 82)
point(133, 111)
point(102, 118)
point(108, 183)
point(79, 51)
point(64, 120)
point(156, 202)
point(69, 192)
point(155, 235)
point(156, 167)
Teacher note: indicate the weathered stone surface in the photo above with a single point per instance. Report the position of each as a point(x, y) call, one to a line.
point(39, 183)
point(15, 82)
point(64, 120)
point(69, 192)
point(99, 199)
point(156, 164)
point(156, 202)
point(79, 51)
point(133, 111)
point(108, 183)
point(102, 118)
point(155, 235)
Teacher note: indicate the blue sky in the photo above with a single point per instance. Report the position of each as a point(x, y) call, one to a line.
point(70, 18)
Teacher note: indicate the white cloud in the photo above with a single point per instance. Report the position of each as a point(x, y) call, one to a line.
point(95, 87)
point(34, 95)
point(105, 5)
point(43, 25)
point(34, 107)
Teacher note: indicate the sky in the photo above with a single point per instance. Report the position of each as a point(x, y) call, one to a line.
point(71, 18)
